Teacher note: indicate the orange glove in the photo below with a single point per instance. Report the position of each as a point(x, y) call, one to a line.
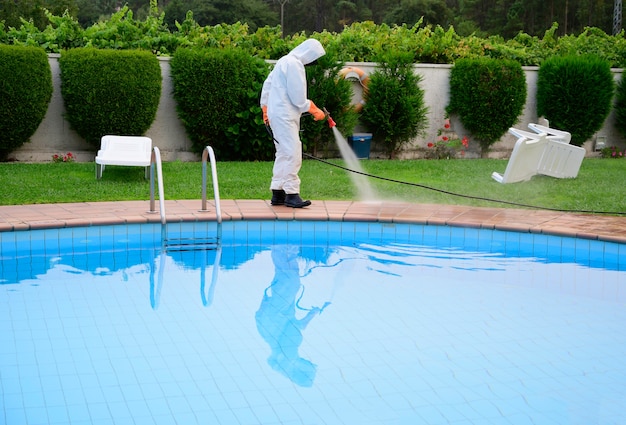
point(317, 113)
point(265, 119)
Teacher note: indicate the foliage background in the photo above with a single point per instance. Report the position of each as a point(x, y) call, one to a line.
point(480, 17)
point(359, 41)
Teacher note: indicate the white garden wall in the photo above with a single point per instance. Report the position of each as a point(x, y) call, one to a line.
point(54, 135)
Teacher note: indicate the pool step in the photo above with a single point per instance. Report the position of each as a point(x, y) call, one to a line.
point(191, 244)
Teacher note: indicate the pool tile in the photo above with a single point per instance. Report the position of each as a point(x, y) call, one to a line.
point(98, 411)
point(78, 412)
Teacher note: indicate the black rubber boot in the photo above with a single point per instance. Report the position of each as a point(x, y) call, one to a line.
point(295, 201)
point(278, 197)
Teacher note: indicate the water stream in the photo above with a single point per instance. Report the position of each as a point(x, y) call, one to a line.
point(364, 188)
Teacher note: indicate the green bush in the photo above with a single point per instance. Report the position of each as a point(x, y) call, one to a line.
point(488, 95)
point(394, 110)
point(109, 91)
point(620, 106)
point(327, 90)
point(574, 93)
point(25, 90)
point(217, 94)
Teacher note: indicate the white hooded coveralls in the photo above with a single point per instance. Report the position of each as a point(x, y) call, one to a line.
point(285, 95)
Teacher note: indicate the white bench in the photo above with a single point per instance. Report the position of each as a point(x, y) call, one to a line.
point(129, 151)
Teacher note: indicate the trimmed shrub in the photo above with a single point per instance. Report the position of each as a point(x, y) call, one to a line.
point(25, 90)
point(394, 110)
point(327, 90)
point(110, 91)
point(574, 94)
point(217, 94)
point(488, 95)
point(620, 106)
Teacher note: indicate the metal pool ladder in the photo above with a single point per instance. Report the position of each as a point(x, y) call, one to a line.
point(208, 151)
point(155, 160)
point(183, 244)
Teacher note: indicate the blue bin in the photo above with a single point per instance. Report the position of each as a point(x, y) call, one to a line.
point(361, 144)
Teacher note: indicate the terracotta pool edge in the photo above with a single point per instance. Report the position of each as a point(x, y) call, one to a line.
point(582, 226)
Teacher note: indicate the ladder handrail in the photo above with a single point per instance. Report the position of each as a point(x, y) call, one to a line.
point(155, 159)
point(208, 151)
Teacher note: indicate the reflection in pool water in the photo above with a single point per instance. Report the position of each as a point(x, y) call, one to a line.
point(276, 318)
point(312, 323)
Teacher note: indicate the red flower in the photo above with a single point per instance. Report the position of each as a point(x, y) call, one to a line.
point(445, 138)
point(446, 124)
point(431, 144)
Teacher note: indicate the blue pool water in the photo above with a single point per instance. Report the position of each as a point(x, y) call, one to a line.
point(310, 323)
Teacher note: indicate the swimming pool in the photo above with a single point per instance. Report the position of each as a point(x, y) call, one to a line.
point(310, 323)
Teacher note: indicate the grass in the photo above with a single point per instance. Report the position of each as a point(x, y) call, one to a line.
point(599, 187)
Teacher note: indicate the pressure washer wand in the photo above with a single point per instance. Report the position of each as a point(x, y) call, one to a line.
point(331, 122)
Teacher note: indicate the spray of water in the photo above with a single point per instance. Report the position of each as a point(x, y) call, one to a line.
point(364, 188)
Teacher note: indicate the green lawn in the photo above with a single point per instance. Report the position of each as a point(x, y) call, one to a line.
point(599, 187)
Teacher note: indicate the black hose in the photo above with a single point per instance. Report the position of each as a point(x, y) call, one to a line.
point(480, 198)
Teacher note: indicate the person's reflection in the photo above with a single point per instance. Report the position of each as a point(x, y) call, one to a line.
point(276, 318)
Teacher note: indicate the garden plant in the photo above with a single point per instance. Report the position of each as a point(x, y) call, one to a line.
point(394, 110)
point(620, 105)
point(103, 88)
point(25, 90)
point(488, 95)
point(333, 93)
point(575, 93)
point(217, 92)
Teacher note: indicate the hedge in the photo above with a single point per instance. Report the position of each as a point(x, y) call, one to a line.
point(575, 93)
point(488, 95)
point(25, 90)
point(217, 94)
point(110, 91)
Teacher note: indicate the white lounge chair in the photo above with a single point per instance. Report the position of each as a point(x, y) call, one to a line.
point(525, 157)
point(540, 155)
point(561, 160)
point(553, 133)
point(130, 151)
point(526, 134)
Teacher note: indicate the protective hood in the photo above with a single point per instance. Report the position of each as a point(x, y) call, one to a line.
point(308, 51)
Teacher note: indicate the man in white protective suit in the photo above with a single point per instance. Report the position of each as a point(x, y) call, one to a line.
point(284, 100)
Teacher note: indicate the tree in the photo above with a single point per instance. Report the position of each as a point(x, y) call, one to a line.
point(410, 12)
point(255, 13)
point(89, 11)
point(11, 11)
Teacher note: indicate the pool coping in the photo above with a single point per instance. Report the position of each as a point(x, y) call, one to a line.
point(587, 226)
